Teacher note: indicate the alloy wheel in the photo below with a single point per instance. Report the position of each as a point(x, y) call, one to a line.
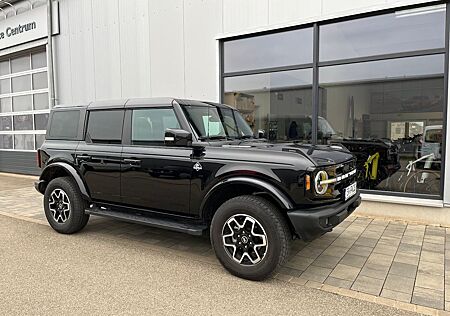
point(59, 205)
point(244, 239)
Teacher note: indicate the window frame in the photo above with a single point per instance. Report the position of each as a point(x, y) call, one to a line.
point(316, 64)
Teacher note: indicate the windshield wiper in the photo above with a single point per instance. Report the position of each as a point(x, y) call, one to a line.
point(246, 137)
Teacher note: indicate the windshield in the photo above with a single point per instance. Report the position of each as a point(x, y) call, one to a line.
point(212, 122)
point(433, 136)
point(325, 127)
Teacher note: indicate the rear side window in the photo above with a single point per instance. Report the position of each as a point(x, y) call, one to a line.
point(105, 127)
point(64, 124)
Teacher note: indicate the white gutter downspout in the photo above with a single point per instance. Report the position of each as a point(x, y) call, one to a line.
point(51, 79)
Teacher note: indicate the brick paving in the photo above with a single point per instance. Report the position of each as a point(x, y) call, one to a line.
point(395, 260)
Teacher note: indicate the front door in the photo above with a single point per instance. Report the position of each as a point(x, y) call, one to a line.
point(155, 176)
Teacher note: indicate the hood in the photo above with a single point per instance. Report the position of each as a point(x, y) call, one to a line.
point(319, 155)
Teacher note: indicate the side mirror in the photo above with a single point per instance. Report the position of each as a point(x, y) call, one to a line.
point(177, 137)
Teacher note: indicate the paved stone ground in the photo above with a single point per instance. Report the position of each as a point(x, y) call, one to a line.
point(390, 259)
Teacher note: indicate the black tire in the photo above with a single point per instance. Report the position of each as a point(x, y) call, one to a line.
point(273, 225)
point(68, 222)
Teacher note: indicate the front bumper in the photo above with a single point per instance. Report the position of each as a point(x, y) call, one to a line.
point(314, 222)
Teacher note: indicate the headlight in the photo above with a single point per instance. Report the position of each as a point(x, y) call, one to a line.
point(321, 176)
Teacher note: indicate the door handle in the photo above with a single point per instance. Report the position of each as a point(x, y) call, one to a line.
point(133, 162)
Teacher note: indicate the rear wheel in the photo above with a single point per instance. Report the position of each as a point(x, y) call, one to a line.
point(250, 237)
point(64, 206)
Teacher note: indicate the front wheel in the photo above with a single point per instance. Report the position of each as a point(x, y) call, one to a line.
point(64, 206)
point(250, 237)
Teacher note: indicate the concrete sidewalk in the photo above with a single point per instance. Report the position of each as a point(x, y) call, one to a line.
point(408, 264)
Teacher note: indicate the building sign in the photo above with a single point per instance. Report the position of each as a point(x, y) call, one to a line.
point(25, 27)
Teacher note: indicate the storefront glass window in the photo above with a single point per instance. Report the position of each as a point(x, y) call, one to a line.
point(24, 142)
point(39, 60)
point(40, 138)
point(40, 121)
point(23, 90)
point(23, 122)
point(6, 142)
point(22, 103)
point(277, 106)
point(5, 105)
point(389, 113)
point(5, 86)
point(4, 68)
point(21, 83)
point(380, 91)
point(5, 123)
point(20, 64)
point(41, 101)
point(400, 31)
point(273, 50)
point(40, 80)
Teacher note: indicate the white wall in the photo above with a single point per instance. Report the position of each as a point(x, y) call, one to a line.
point(141, 48)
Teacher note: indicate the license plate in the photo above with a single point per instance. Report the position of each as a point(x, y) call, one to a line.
point(350, 191)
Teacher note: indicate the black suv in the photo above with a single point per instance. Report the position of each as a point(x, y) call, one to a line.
point(193, 167)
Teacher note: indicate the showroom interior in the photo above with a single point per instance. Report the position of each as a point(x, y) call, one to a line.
point(375, 83)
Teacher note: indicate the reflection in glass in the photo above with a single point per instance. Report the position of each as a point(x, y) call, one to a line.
point(277, 106)
point(149, 125)
point(4, 68)
point(40, 121)
point(22, 103)
point(25, 142)
point(265, 51)
point(21, 83)
point(6, 142)
point(390, 115)
point(40, 80)
point(5, 86)
point(401, 31)
point(5, 123)
point(5, 105)
point(20, 64)
point(39, 60)
point(41, 101)
point(23, 122)
point(40, 138)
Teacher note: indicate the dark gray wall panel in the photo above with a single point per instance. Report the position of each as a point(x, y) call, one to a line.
point(18, 162)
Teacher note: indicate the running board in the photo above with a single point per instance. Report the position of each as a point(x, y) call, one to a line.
point(190, 228)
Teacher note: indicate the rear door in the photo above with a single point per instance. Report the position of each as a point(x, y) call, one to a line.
point(154, 176)
point(98, 156)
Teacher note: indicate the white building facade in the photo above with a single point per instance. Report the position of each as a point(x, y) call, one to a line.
point(370, 74)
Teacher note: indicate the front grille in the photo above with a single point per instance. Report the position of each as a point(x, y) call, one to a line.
point(343, 173)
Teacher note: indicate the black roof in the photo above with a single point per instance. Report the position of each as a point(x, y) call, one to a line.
point(140, 102)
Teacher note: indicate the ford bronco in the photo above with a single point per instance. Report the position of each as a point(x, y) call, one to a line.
point(193, 167)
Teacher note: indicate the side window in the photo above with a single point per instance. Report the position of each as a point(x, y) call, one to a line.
point(105, 127)
point(64, 124)
point(149, 125)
